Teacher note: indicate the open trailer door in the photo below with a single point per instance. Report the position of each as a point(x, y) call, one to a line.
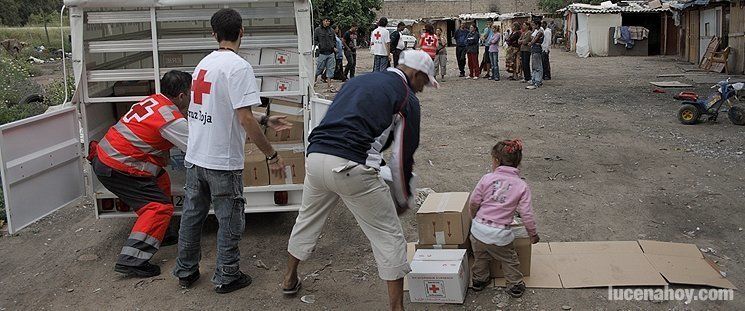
point(318, 108)
point(42, 166)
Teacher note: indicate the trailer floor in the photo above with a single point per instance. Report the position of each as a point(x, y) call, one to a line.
point(606, 159)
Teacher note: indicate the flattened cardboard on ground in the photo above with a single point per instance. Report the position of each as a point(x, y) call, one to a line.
point(444, 218)
point(683, 264)
point(606, 269)
point(543, 273)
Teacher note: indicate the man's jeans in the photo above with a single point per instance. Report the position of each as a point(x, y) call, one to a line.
point(224, 189)
point(325, 61)
point(536, 64)
point(494, 57)
point(351, 64)
point(460, 55)
point(380, 63)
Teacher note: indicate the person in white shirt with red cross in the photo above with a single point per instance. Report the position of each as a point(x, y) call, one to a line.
point(223, 92)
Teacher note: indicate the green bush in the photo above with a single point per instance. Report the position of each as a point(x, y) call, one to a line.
point(54, 93)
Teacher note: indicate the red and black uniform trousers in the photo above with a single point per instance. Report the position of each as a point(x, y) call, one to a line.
point(150, 198)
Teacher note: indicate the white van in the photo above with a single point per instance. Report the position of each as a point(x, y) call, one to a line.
point(120, 49)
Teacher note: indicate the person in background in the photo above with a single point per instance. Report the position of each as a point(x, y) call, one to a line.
point(396, 43)
point(494, 45)
point(485, 61)
point(547, 39)
point(382, 110)
point(513, 52)
point(428, 41)
point(460, 48)
point(536, 56)
point(525, 36)
point(325, 39)
point(339, 67)
point(380, 46)
point(472, 52)
point(441, 59)
point(223, 92)
point(494, 202)
point(349, 40)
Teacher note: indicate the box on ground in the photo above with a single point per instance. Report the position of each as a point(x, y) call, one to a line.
point(294, 115)
point(255, 169)
point(294, 157)
point(524, 253)
point(444, 218)
point(439, 276)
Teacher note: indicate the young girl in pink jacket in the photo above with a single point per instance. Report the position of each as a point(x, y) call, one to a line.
point(493, 203)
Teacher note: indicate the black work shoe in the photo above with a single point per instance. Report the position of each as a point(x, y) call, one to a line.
point(479, 286)
point(146, 270)
point(187, 281)
point(517, 290)
point(243, 281)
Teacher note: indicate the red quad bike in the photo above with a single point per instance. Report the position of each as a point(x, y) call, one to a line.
point(692, 108)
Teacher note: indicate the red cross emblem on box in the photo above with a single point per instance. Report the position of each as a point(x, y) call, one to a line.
point(435, 288)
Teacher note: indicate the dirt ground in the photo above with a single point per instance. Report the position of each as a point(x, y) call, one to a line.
point(605, 156)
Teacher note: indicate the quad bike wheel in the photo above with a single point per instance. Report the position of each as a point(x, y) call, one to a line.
point(688, 114)
point(736, 114)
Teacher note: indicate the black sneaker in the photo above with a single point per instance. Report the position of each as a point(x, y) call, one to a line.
point(479, 286)
point(187, 281)
point(243, 281)
point(517, 290)
point(146, 270)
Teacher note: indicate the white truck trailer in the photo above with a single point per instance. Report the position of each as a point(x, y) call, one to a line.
point(120, 49)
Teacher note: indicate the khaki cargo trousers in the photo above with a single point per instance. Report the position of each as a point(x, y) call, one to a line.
point(484, 253)
point(329, 179)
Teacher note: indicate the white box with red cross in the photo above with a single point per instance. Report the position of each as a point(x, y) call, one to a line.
point(279, 56)
point(439, 276)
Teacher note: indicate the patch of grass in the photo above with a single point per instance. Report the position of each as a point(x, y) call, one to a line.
point(35, 36)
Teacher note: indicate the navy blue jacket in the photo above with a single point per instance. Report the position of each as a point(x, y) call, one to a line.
point(371, 113)
point(460, 37)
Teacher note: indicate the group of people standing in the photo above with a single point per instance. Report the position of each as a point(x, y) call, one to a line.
point(528, 47)
point(333, 47)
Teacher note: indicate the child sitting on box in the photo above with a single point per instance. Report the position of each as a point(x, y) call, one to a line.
point(493, 203)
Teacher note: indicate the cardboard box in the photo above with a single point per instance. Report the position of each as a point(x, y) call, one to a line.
point(261, 110)
point(444, 218)
point(439, 276)
point(524, 255)
point(294, 157)
point(255, 169)
point(280, 84)
point(279, 56)
point(252, 56)
point(134, 88)
point(294, 113)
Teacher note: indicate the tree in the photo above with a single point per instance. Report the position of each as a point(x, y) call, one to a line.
point(17, 13)
point(346, 12)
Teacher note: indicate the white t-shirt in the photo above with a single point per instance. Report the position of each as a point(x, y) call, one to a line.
point(222, 82)
point(378, 38)
point(546, 39)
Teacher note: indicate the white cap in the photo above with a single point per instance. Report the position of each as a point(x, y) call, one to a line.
point(419, 60)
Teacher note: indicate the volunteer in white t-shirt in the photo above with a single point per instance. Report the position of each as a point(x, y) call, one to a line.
point(380, 46)
point(223, 92)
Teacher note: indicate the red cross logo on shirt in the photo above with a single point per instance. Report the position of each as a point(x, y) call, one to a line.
point(200, 87)
point(434, 289)
point(377, 35)
point(429, 40)
point(140, 111)
point(282, 87)
point(281, 59)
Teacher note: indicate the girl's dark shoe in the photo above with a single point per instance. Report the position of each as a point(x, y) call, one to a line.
point(517, 290)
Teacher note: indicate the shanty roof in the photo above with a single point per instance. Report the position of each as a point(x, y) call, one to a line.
point(507, 16)
point(490, 15)
point(620, 7)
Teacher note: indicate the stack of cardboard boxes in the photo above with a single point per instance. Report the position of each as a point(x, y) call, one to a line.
point(288, 143)
point(442, 257)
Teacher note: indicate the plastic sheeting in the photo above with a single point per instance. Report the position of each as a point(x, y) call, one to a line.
point(592, 33)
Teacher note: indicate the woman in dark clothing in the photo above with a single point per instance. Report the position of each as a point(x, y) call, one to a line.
point(513, 51)
point(525, 50)
point(472, 52)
